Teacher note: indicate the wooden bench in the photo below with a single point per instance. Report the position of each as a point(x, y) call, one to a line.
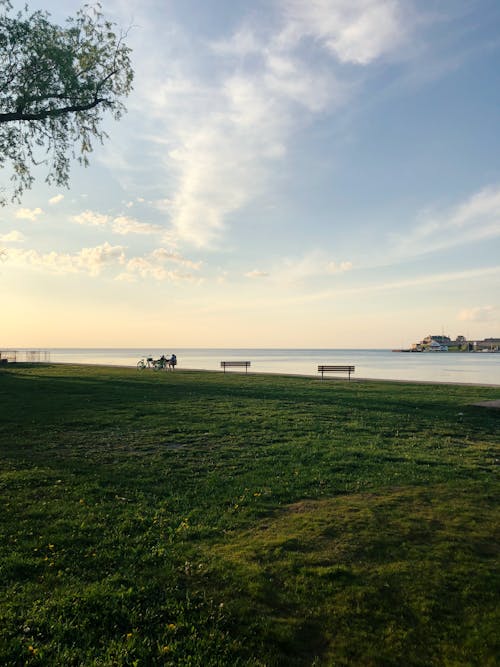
point(230, 364)
point(336, 369)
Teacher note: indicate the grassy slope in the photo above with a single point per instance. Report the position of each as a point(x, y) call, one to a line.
point(201, 519)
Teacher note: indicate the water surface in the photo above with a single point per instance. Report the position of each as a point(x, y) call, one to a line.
point(474, 367)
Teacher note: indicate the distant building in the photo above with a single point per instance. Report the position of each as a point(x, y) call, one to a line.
point(435, 346)
point(442, 340)
point(441, 343)
point(487, 345)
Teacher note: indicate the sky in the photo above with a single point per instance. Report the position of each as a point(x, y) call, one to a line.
point(290, 173)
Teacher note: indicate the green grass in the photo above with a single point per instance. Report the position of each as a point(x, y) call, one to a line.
point(207, 519)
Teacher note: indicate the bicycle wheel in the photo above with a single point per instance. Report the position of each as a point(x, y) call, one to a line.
point(141, 365)
point(157, 365)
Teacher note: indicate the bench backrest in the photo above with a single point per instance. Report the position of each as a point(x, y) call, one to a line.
point(225, 364)
point(234, 363)
point(336, 368)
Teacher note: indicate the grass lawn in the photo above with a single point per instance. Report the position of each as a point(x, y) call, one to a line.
point(205, 519)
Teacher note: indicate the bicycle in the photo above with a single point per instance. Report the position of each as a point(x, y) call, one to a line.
point(160, 364)
point(145, 363)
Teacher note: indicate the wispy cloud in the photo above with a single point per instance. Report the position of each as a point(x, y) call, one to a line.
point(479, 314)
point(416, 282)
point(314, 264)
point(223, 137)
point(269, 299)
point(56, 199)
point(223, 158)
point(475, 219)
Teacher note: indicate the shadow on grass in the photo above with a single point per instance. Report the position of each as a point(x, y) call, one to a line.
point(379, 579)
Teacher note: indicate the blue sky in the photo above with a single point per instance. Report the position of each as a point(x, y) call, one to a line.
point(290, 173)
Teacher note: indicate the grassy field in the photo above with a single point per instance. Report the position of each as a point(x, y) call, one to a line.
point(206, 519)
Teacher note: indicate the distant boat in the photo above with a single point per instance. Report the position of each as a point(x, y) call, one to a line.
point(434, 346)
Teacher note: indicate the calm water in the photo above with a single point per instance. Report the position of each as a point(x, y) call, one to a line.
point(480, 368)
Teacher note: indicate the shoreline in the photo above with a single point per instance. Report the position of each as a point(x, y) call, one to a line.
point(277, 374)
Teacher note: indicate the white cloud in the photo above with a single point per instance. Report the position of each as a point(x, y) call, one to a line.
point(160, 265)
point(225, 158)
point(29, 214)
point(257, 274)
point(87, 260)
point(120, 225)
point(355, 31)
point(93, 259)
point(91, 218)
point(170, 238)
point(153, 266)
point(56, 199)
point(124, 225)
point(12, 237)
point(478, 314)
point(219, 164)
point(164, 255)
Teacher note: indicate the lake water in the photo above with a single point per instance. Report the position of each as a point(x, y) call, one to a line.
point(475, 367)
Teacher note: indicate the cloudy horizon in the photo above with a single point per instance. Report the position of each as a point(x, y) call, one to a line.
point(290, 174)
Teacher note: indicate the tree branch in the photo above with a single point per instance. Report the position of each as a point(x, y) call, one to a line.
point(50, 113)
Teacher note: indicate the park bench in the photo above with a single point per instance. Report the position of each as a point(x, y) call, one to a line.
point(336, 369)
point(230, 364)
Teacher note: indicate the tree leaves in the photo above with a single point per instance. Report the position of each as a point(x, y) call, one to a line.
point(55, 85)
